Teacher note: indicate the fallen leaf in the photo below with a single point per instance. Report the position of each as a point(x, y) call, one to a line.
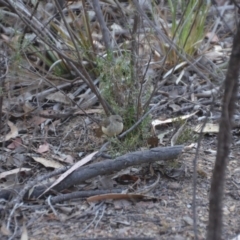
point(172, 70)
point(48, 163)
point(157, 122)
point(27, 107)
point(116, 196)
point(208, 128)
point(153, 141)
point(4, 230)
point(36, 120)
point(59, 97)
point(14, 171)
point(69, 171)
point(43, 148)
point(12, 134)
point(15, 143)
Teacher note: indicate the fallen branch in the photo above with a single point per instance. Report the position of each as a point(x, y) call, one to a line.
point(100, 168)
point(122, 162)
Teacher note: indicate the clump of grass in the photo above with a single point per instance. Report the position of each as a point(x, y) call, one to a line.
point(115, 80)
point(186, 30)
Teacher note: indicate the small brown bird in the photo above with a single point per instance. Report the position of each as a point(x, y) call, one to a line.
point(112, 125)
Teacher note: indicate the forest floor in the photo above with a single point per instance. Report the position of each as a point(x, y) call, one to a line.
point(41, 133)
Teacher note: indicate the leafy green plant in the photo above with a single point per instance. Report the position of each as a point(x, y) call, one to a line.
point(115, 80)
point(120, 91)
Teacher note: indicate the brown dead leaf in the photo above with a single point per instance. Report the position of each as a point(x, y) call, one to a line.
point(98, 132)
point(153, 141)
point(48, 163)
point(115, 196)
point(15, 143)
point(59, 97)
point(36, 120)
point(43, 148)
point(27, 107)
point(78, 164)
point(4, 230)
point(12, 134)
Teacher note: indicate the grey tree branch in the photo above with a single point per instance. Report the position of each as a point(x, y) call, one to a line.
point(224, 141)
point(102, 23)
point(122, 162)
point(91, 171)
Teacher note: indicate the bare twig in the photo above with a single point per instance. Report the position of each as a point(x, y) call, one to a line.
point(45, 36)
point(3, 73)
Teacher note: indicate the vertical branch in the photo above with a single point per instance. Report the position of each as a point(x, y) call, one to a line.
point(103, 26)
point(3, 73)
point(224, 141)
point(134, 49)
